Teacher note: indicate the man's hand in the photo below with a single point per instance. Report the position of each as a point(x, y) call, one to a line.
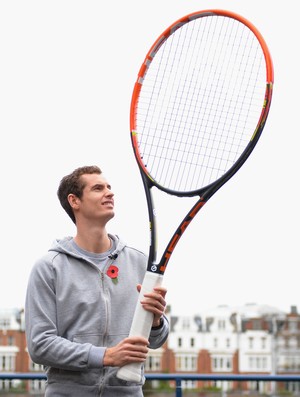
point(155, 303)
point(129, 350)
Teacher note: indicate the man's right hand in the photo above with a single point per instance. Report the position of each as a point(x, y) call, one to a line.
point(130, 350)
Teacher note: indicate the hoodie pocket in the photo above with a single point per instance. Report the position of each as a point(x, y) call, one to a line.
point(89, 376)
point(94, 339)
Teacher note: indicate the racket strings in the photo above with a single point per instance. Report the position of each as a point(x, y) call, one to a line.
point(185, 141)
point(228, 149)
point(200, 102)
point(215, 152)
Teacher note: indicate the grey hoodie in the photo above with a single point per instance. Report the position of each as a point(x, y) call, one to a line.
point(74, 311)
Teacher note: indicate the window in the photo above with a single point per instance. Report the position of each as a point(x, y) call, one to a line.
point(222, 363)
point(35, 367)
point(153, 363)
point(292, 363)
point(188, 384)
point(263, 343)
point(258, 363)
point(192, 342)
point(293, 387)
point(250, 343)
point(264, 362)
point(221, 324)
point(179, 342)
point(7, 362)
point(3, 365)
point(257, 324)
point(4, 323)
point(186, 362)
point(293, 325)
point(250, 362)
point(37, 385)
point(186, 323)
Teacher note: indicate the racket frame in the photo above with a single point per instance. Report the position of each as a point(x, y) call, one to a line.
point(155, 271)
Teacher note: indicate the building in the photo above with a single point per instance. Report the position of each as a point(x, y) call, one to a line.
point(251, 339)
point(287, 347)
point(13, 351)
point(13, 354)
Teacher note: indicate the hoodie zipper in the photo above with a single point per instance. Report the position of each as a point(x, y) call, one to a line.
point(105, 329)
point(106, 305)
point(105, 297)
point(107, 318)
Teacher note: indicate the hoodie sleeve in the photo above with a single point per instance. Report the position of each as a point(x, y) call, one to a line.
point(158, 336)
point(44, 344)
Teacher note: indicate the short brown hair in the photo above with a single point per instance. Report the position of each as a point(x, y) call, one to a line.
point(73, 184)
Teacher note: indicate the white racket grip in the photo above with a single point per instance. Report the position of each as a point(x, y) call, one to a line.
point(141, 326)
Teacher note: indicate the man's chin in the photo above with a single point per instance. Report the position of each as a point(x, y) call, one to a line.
point(111, 215)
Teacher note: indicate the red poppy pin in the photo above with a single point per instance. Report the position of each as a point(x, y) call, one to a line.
point(113, 272)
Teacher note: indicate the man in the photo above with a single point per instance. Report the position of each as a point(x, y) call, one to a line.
point(81, 297)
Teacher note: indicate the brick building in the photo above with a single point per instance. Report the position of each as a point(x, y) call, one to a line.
point(13, 354)
point(252, 339)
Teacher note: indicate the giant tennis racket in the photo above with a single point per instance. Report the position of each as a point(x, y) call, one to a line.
point(198, 108)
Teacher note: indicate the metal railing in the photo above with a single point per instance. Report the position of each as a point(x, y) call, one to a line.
point(176, 377)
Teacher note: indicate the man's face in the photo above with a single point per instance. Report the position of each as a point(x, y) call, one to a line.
point(97, 201)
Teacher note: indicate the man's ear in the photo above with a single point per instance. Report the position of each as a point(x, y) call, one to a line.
point(73, 201)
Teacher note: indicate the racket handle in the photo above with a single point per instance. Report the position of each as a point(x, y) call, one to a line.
point(141, 326)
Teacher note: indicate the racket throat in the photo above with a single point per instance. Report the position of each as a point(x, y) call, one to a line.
point(179, 232)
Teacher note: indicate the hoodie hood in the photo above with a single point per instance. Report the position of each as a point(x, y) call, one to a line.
point(65, 246)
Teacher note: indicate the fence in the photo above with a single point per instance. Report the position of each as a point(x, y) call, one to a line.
point(177, 378)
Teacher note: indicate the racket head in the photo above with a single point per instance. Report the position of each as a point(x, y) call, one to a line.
point(200, 102)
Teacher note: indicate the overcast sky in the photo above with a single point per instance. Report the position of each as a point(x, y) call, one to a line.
point(67, 70)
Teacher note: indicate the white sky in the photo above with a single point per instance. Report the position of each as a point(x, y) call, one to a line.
point(67, 70)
